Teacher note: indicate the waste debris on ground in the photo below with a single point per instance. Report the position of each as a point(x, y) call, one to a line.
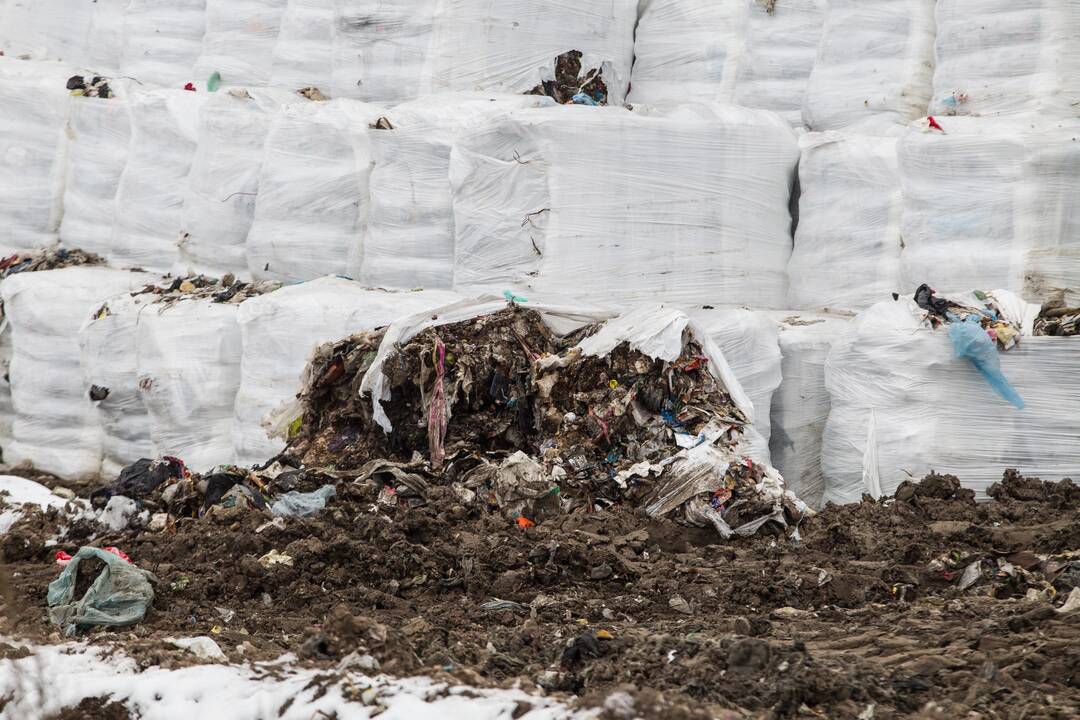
point(96, 86)
point(510, 415)
point(1057, 320)
point(119, 596)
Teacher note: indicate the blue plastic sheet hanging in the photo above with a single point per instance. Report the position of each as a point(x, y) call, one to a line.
point(971, 341)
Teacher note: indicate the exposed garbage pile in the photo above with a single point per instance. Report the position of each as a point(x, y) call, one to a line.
point(509, 414)
point(487, 358)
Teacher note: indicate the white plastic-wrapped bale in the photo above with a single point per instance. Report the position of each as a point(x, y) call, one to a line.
point(688, 50)
point(106, 42)
point(55, 428)
point(380, 49)
point(40, 29)
point(410, 228)
point(219, 203)
point(99, 133)
point(7, 412)
point(150, 195)
point(239, 41)
point(903, 405)
point(689, 207)
point(280, 330)
point(800, 406)
point(510, 46)
point(188, 363)
point(992, 203)
point(108, 356)
point(302, 54)
point(313, 199)
point(848, 243)
point(162, 40)
point(874, 68)
point(749, 343)
point(1003, 56)
point(396, 50)
point(781, 46)
point(34, 104)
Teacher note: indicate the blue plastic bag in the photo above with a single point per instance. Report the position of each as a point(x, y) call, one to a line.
point(971, 341)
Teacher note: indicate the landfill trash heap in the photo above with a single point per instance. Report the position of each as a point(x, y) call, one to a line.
point(512, 416)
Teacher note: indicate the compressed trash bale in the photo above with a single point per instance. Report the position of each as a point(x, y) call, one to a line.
point(312, 206)
point(409, 241)
point(303, 51)
point(993, 203)
point(750, 346)
point(150, 194)
point(108, 358)
point(188, 364)
point(280, 330)
point(219, 203)
point(848, 241)
point(874, 66)
point(800, 406)
point(162, 40)
point(46, 29)
point(239, 41)
point(781, 47)
point(99, 133)
point(105, 46)
point(688, 50)
point(55, 428)
point(34, 104)
point(396, 50)
point(996, 57)
point(608, 205)
point(902, 405)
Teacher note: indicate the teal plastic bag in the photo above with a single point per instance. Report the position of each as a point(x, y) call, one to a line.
point(971, 341)
point(119, 596)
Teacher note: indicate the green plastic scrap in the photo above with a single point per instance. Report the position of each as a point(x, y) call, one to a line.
point(214, 82)
point(511, 297)
point(119, 596)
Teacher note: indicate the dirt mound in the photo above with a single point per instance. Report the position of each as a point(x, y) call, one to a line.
point(876, 604)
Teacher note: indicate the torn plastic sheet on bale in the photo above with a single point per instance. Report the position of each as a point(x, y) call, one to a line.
point(120, 595)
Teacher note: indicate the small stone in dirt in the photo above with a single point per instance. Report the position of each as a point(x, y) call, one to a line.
point(749, 654)
point(741, 626)
point(273, 558)
point(601, 572)
point(678, 604)
point(789, 613)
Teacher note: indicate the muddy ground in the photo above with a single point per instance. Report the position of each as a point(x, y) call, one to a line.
point(863, 616)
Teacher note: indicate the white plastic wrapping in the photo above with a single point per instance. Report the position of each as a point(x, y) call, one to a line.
point(150, 195)
point(410, 228)
point(162, 40)
point(219, 203)
point(800, 406)
point(46, 29)
point(108, 357)
point(239, 41)
point(313, 199)
point(7, 412)
point(188, 362)
point(992, 203)
point(689, 207)
point(750, 346)
point(903, 405)
point(99, 133)
point(302, 54)
point(105, 45)
point(781, 47)
point(688, 50)
point(1007, 56)
point(281, 329)
point(55, 427)
point(874, 68)
point(395, 50)
point(848, 242)
point(34, 106)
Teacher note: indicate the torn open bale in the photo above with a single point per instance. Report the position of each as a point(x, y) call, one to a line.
point(513, 415)
point(570, 85)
